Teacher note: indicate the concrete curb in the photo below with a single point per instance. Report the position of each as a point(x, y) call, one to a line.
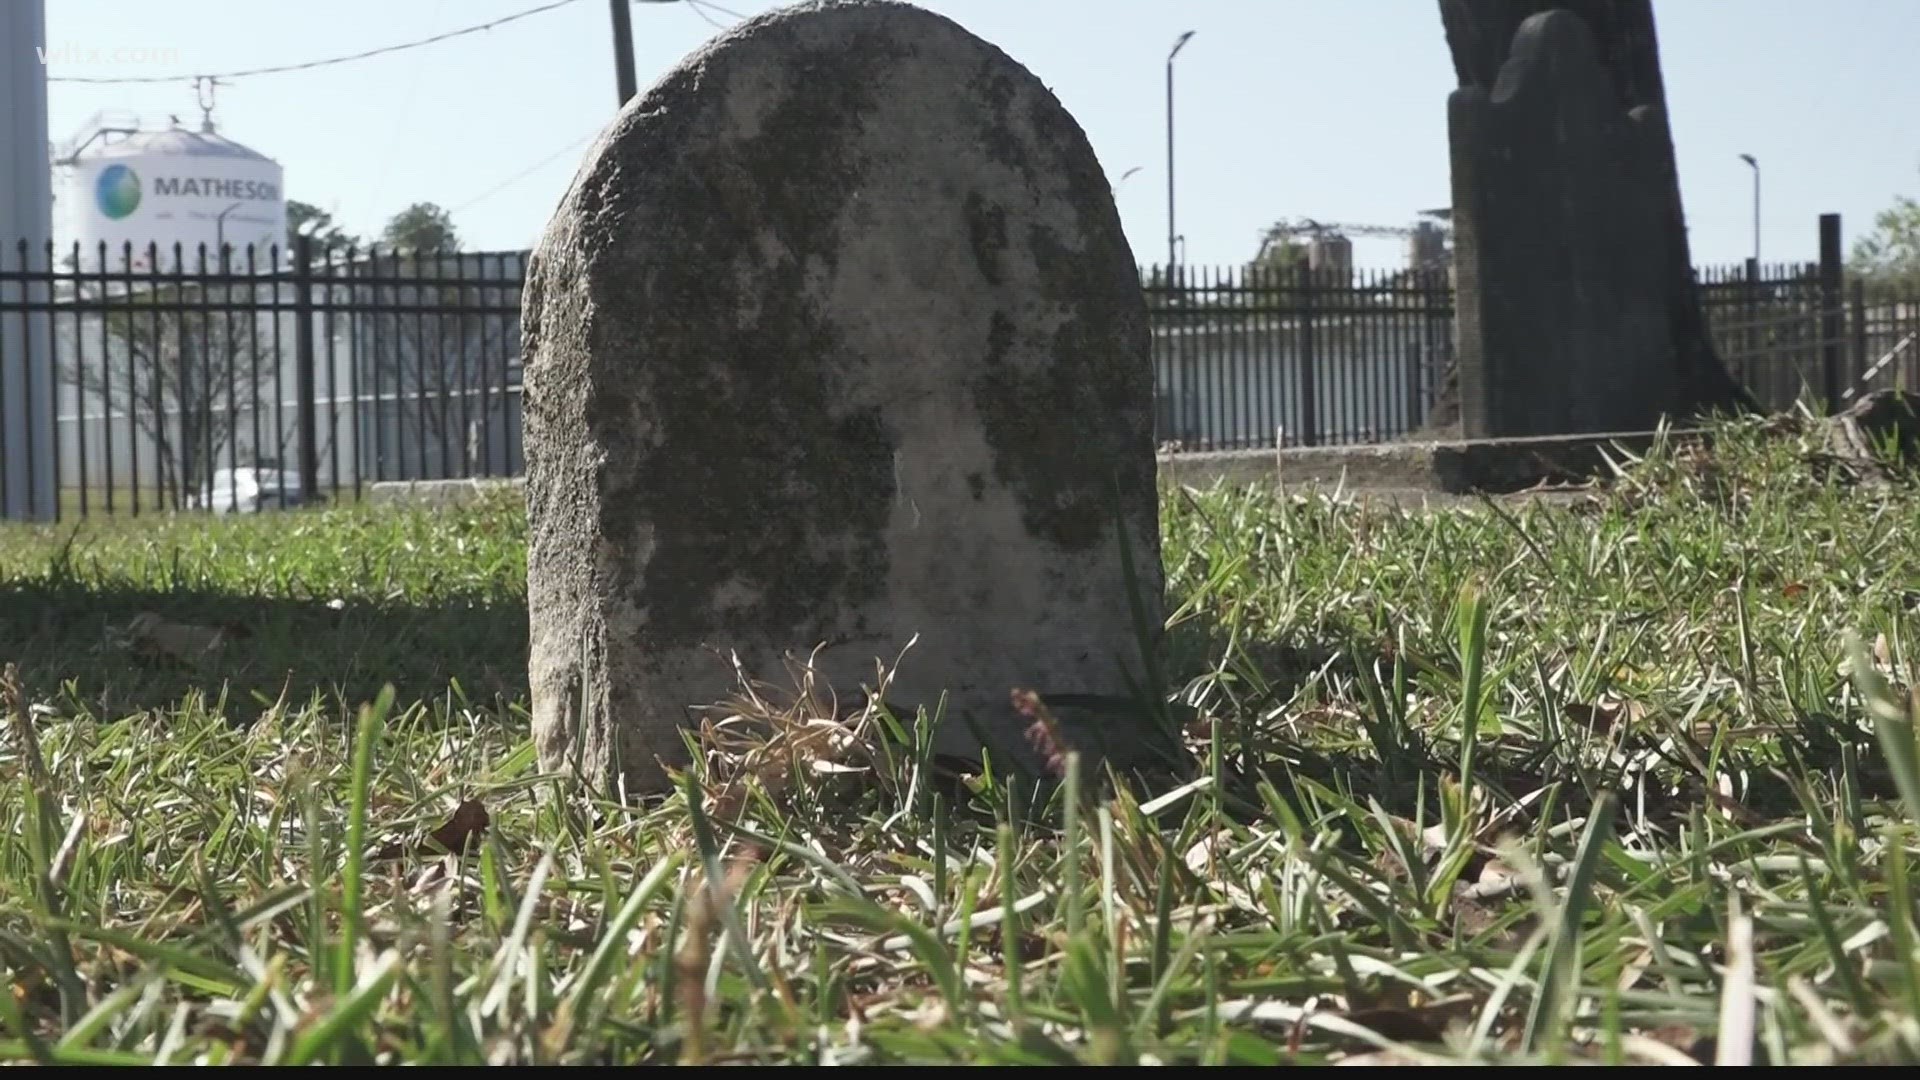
point(1457, 467)
point(1206, 468)
point(1409, 470)
point(440, 492)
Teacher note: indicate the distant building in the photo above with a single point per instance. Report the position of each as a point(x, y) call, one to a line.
point(1427, 246)
point(1330, 257)
point(171, 192)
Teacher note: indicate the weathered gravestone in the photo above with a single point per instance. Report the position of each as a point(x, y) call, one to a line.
point(834, 340)
point(1577, 311)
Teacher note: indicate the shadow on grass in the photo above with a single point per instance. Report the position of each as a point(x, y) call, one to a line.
point(86, 642)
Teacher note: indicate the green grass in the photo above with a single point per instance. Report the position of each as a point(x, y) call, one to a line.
point(340, 601)
point(1627, 778)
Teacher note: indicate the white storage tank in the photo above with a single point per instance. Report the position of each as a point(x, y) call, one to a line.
point(176, 187)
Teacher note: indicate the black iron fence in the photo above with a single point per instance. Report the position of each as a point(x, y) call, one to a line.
point(264, 379)
point(1251, 357)
point(1800, 332)
point(273, 378)
point(1262, 356)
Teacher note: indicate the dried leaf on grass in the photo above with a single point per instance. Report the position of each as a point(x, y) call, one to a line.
point(1606, 715)
point(767, 739)
point(459, 836)
point(434, 874)
point(1200, 857)
point(149, 634)
point(464, 829)
point(1425, 1023)
point(1682, 1039)
point(1496, 879)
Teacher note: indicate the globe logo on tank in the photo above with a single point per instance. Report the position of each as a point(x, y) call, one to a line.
point(117, 191)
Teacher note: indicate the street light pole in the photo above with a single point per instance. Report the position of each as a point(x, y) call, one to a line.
point(220, 233)
point(623, 52)
point(1749, 159)
point(1177, 46)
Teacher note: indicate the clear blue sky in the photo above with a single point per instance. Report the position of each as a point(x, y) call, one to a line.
point(1332, 109)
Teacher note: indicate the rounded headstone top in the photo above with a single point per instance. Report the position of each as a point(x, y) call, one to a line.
point(819, 101)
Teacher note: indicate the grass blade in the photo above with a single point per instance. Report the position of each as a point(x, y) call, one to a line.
point(353, 883)
point(1473, 663)
point(1561, 975)
point(353, 1008)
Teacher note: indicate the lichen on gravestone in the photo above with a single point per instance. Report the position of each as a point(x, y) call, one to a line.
point(836, 343)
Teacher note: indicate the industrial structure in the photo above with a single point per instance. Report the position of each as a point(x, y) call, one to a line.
point(1342, 356)
point(1329, 245)
point(139, 191)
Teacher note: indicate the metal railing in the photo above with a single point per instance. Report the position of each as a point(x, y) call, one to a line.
point(264, 378)
point(1261, 356)
point(182, 382)
point(1789, 332)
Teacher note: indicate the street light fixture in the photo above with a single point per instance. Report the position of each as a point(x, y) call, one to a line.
point(220, 233)
point(1749, 159)
point(1177, 46)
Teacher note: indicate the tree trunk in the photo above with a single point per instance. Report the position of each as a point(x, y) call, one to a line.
point(1479, 35)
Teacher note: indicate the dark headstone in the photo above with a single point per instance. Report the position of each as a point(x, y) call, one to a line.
point(835, 340)
point(1577, 310)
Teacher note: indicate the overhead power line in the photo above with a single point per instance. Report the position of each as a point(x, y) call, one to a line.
point(549, 159)
point(524, 173)
point(329, 61)
point(706, 18)
point(699, 8)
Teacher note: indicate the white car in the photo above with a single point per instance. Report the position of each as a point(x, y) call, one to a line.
point(250, 488)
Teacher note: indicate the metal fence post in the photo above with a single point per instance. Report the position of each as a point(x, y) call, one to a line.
point(1416, 410)
point(303, 367)
point(1857, 296)
point(1309, 378)
point(1750, 333)
point(1832, 311)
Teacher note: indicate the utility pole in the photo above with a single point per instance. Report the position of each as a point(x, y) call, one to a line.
point(1177, 46)
point(623, 52)
point(26, 221)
